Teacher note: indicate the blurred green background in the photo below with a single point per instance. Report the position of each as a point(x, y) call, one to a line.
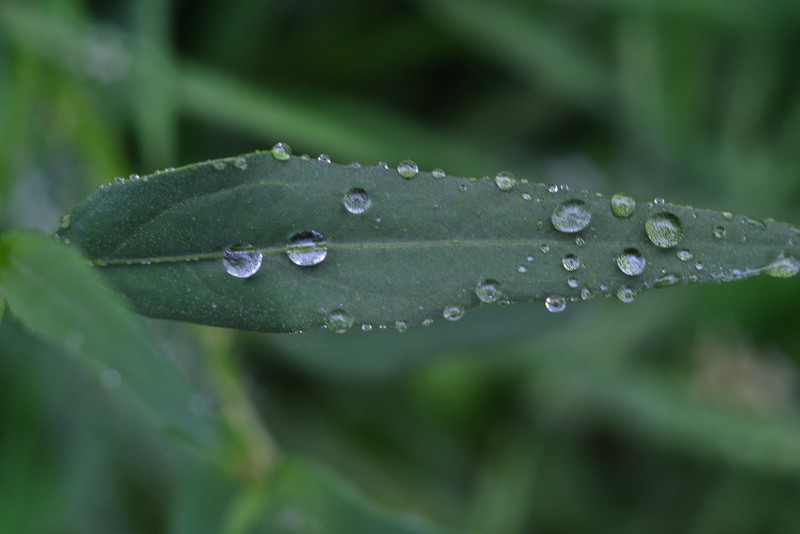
point(678, 413)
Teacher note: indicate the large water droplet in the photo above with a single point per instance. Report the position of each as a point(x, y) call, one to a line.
point(407, 169)
point(281, 151)
point(356, 201)
point(571, 262)
point(664, 229)
point(307, 248)
point(488, 291)
point(555, 303)
point(622, 205)
point(339, 321)
point(631, 262)
point(783, 267)
point(626, 294)
point(241, 261)
point(505, 181)
point(571, 216)
point(453, 313)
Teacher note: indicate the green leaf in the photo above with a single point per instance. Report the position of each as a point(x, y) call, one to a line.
point(421, 249)
point(57, 295)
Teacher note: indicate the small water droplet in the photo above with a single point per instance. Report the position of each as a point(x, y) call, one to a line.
point(626, 294)
point(684, 255)
point(366, 327)
point(658, 201)
point(241, 261)
point(573, 283)
point(526, 196)
point(728, 215)
point(699, 265)
point(579, 241)
point(355, 165)
point(427, 322)
point(281, 151)
point(305, 157)
point(667, 280)
point(65, 221)
point(545, 248)
point(339, 321)
point(463, 187)
point(522, 269)
point(307, 248)
point(136, 177)
point(784, 266)
point(324, 158)
point(622, 205)
point(586, 294)
point(453, 313)
point(553, 188)
point(356, 201)
point(488, 291)
point(664, 229)
point(631, 262)
point(571, 262)
point(719, 232)
point(119, 180)
point(218, 165)
point(529, 258)
point(407, 169)
point(240, 163)
point(505, 181)
point(571, 216)
point(438, 173)
point(401, 326)
point(555, 303)
point(383, 165)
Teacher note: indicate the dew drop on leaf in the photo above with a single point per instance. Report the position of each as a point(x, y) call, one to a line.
point(626, 294)
point(438, 173)
point(407, 169)
point(571, 216)
point(571, 262)
point(719, 232)
point(631, 262)
point(488, 292)
point(505, 181)
point(307, 248)
point(281, 151)
point(555, 303)
point(240, 163)
point(65, 221)
point(339, 321)
point(573, 283)
point(241, 261)
point(684, 255)
point(586, 294)
point(667, 280)
point(622, 205)
point(401, 326)
point(783, 267)
point(453, 313)
point(356, 201)
point(324, 158)
point(664, 229)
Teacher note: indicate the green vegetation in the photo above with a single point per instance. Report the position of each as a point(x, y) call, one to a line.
point(676, 413)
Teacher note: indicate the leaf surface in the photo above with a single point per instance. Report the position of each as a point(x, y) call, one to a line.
point(419, 251)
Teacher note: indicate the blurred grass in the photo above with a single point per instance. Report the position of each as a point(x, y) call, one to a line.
point(678, 413)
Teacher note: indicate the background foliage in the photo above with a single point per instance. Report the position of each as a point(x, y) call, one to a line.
point(676, 413)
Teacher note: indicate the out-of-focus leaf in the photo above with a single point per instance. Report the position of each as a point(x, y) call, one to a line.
point(56, 294)
point(335, 245)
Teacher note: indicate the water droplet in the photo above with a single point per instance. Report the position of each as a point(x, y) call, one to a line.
point(571, 262)
point(664, 229)
point(728, 215)
point(136, 177)
point(383, 165)
point(667, 280)
point(305, 157)
point(356, 201)
point(573, 283)
point(324, 158)
point(427, 322)
point(684, 255)
point(366, 327)
point(553, 188)
point(719, 232)
point(307, 248)
point(579, 241)
point(463, 187)
point(622, 205)
point(699, 265)
point(526, 196)
point(522, 269)
point(658, 201)
point(545, 248)
point(586, 294)
point(529, 258)
point(438, 173)
point(401, 326)
point(218, 165)
point(241, 261)
point(555, 304)
point(488, 291)
point(453, 313)
point(571, 216)
point(631, 262)
point(505, 181)
point(65, 221)
point(240, 163)
point(119, 180)
point(355, 165)
point(407, 169)
point(626, 294)
point(281, 151)
point(784, 266)
point(339, 321)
